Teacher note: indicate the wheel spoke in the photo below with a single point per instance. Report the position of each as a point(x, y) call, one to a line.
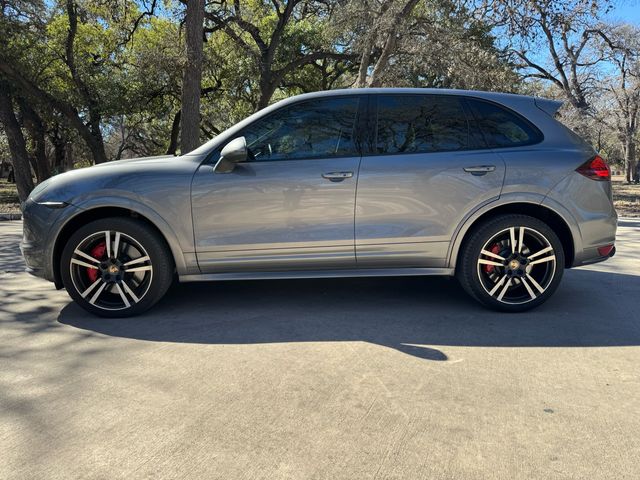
point(521, 239)
point(482, 261)
point(535, 284)
point(90, 288)
point(541, 252)
point(139, 269)
point(512, 234)
point(123, 296)
point(526, 285)
point(107, 236)
point(83, 264)
point(497, 286)
point(97, 294)
point(80, 253)
point(543, 260)
point(492, 255)
point(137, 260)
point(130, 292)
point(504, 290)
point(116, 245)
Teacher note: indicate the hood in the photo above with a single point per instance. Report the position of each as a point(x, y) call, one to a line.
point(108, 178)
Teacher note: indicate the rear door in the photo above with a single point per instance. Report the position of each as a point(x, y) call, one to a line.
point(426, 168)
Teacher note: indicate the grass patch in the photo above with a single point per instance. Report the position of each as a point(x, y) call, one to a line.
point(626, 198)
point(9, 202)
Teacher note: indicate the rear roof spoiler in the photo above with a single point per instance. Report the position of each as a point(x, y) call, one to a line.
point(548, 106)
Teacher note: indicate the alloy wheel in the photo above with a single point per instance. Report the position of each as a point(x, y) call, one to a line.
point(516, 265)
point(111, 270)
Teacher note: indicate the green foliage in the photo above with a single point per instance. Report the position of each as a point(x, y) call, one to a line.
point(122, 83)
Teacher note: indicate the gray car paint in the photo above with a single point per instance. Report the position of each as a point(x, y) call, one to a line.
point(273, 223)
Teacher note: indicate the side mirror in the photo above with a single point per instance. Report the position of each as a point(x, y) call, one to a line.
point(233, 152)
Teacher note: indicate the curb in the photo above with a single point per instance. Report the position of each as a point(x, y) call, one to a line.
point(10, 216)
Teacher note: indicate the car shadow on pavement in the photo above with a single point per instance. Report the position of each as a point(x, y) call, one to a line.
point(413, 315)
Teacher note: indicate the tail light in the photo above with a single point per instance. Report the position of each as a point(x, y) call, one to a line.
point(595, 169)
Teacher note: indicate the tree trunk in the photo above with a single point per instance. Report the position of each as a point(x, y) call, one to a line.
point(58, 140)
point(267, 88)
point(630, 159)
point(68, 156)
point(17, 146)
point(175, 131)
point(37, 132)
point(191, 85)
point(363, 69)
point(95, 142)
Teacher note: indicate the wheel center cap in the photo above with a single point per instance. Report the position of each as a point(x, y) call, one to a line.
point(113, 269)
point(514, 264)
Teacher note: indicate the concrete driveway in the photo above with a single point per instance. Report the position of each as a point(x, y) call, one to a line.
point(355, 379)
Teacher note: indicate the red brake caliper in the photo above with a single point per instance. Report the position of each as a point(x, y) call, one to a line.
point(96, 252)
point(495, 248)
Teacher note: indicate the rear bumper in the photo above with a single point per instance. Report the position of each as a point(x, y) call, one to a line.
point(587, 208)
point(592, 256)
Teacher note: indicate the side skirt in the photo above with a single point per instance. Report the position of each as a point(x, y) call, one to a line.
point(345, 273)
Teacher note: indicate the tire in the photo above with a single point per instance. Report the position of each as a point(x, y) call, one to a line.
point(122, 280)
point(511, 279)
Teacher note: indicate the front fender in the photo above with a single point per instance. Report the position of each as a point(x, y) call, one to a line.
point(177, 240)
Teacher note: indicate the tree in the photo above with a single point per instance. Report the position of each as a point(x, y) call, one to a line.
point(383, 35)
point(278, 37)
point(422, 44)
point(17, 144)
point(561, 30)
point(620, 45)
point(80, 74)
point(192, 83)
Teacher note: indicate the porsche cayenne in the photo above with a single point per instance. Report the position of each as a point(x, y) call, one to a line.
point(487, 187)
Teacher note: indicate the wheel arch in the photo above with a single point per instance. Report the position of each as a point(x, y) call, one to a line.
point(543, 213)
point(88, 215)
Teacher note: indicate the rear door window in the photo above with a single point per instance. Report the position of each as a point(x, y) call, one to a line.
point(420, 123)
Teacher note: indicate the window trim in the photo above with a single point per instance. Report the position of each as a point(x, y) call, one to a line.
point(358, 133)
point(372, 125)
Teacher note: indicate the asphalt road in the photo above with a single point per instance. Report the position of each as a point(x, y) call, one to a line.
point(323, 379)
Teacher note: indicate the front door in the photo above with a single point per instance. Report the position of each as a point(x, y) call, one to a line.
point(291, 205)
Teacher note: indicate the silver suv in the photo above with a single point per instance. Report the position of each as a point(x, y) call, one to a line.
point(488, 187)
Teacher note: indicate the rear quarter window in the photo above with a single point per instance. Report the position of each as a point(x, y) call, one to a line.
point(502, 127)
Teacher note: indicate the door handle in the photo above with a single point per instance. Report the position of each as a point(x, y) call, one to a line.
point(337, 176)
point(480, 169)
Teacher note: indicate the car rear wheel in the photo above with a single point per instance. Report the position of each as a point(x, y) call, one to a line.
point(511, 263)
point(116, 267)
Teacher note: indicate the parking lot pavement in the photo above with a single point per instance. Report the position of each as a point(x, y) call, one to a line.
point(355, 379)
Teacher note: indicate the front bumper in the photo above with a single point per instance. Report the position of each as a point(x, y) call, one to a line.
point(39, 232)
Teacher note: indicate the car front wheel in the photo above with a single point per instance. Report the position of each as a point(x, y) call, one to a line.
point(511, 263)
point(116, 267)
